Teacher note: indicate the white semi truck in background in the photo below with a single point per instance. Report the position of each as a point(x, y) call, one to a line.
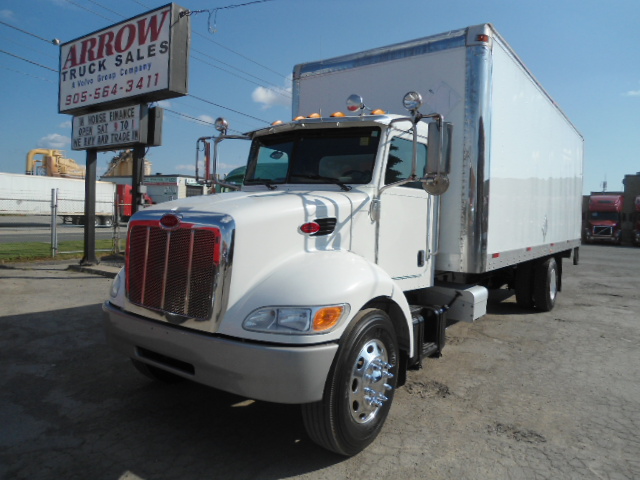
point(355, 239)
point(31, 195)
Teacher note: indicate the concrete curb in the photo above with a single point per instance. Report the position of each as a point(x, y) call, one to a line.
point(109, 271)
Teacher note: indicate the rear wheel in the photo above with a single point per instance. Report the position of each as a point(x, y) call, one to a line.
point(546, 283)
point(360, 387)
point(524, 285)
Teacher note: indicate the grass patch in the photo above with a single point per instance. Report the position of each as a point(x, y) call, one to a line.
point(25, 252)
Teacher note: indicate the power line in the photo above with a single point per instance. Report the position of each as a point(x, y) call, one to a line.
point(106, 8)
point(195, 119)
point(239, 54)
point(227, 108)
point(88, 10)
point(27, 74)
point(55, 41)
point(214, 12)
point(272, 88)
point(23, 46)
point(202, 53)
point(140, 3)
point(275, 89)
point(29, 61)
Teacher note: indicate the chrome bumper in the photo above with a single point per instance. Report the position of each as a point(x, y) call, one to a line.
point(281, 374)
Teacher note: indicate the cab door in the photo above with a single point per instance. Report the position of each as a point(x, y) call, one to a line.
point(403, 246)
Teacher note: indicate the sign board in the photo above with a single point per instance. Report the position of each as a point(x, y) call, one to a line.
point(143, 59)
point(120, 127)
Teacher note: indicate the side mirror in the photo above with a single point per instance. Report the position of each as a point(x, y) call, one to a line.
point(436, 180)
point(439, 151)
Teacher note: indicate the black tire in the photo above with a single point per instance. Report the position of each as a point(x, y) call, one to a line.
point(359, 389)
point(155, 373)
point(107, 221)
point(546, 283)
point(524, 285)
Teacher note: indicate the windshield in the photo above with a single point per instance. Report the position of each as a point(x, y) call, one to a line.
point(338, 156)
point(611, 216)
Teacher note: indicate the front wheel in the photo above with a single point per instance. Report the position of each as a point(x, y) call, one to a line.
point(360, 387)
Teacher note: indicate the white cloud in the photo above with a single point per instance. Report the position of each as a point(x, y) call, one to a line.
point(273, 96)
point(66, 124)
point(206, 118)
point(164, 104)
point(632, 93)
point(6, 14)
point(54, 140)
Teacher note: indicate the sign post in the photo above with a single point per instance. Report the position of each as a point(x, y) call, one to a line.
point(89, 257)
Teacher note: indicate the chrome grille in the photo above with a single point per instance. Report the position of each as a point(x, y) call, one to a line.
point(173, 271)
point(605, 231)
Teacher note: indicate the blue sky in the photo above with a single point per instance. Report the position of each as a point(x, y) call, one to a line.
point(585, 53)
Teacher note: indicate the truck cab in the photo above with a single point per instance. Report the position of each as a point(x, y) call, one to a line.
point(312, 271)
point(604, 223)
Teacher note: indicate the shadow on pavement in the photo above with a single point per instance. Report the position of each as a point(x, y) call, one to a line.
point(72, 408)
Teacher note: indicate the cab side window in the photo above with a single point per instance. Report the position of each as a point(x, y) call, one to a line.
point(399, 162)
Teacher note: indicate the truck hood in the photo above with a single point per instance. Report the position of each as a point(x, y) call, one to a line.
point(273, 213)
point(266, 230)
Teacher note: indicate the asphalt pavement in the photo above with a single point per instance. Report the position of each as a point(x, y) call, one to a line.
point(516, 395)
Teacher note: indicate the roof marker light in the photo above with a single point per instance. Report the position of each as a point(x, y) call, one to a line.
point(338, 114)
point(277, 122)
point(378, 111)
point(314, 115)
point(299, 117)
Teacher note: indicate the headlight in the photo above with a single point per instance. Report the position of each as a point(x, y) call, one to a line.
point(295, 320)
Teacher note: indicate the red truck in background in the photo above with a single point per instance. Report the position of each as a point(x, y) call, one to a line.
point(604, 222)
point(125, 201)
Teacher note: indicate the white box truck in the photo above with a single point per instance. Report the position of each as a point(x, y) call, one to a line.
point(354, 238)
point(31, 195)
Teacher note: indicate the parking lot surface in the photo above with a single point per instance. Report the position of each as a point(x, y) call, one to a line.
point(516, 395)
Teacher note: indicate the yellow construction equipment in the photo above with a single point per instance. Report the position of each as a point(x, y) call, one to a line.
point(52, 164)
point(122, 165)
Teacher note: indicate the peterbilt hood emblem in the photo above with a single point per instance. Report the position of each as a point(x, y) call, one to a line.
point(170, 221)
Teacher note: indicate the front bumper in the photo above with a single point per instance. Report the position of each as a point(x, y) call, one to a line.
point(273, 373)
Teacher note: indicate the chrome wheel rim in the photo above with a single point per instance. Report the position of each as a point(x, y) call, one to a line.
point(368, 382)
point(553, 285)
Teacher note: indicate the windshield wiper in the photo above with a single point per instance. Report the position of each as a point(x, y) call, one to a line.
point(335, 181)
point(263, 181)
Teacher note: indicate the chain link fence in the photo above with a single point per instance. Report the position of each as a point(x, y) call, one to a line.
point(67, 208)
